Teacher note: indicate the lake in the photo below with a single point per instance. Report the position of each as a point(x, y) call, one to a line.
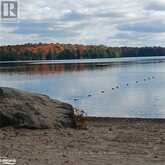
point(124, 87)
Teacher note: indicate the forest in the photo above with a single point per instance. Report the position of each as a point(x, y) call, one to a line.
point(56, 51)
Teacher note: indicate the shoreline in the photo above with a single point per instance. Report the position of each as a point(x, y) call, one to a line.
point(123, 119)
point(98, 61)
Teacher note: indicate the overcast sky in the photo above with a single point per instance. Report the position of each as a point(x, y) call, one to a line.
point(109, 22)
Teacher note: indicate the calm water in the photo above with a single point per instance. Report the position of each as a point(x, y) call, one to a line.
point(130, 87)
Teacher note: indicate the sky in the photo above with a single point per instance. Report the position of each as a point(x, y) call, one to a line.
point(109, 22)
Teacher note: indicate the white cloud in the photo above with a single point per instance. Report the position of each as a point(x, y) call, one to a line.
point(111, 22)
point(157, 5)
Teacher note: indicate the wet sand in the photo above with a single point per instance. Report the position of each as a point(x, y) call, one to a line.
point(107, 141)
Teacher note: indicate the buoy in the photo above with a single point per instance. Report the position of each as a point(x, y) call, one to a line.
point(102, 91)
point(89, 95)
point(75, 99)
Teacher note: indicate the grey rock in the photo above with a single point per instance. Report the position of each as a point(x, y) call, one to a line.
point(30, 110)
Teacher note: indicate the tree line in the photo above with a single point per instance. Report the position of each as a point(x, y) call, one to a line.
point(63, 52)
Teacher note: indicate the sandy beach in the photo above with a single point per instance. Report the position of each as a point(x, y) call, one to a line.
point(107, 141)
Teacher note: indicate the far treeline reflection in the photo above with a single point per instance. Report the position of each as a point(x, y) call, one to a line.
point(68, 51)
point(34, 69)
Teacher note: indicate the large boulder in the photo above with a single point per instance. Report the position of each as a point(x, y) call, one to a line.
point(31, 110)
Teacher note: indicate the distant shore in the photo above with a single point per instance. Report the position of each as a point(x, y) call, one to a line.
point(57, 51)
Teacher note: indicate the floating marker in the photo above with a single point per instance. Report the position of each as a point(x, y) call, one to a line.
point(75, 99)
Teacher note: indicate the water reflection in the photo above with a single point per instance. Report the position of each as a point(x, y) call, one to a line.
point(44, 69)
point(119, 89)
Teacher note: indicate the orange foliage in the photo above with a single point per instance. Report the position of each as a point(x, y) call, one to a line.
point(45, 48)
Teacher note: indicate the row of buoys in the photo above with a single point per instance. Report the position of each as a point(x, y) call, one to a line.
point(117, 87)
point(148, 78)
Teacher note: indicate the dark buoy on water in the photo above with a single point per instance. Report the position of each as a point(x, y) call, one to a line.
point(117, 87)
point(127, 84)
point(112, 88)
point(144, 79)
point(75, 99)
point(137, 81)
point(89, 95)
point(102, 92)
